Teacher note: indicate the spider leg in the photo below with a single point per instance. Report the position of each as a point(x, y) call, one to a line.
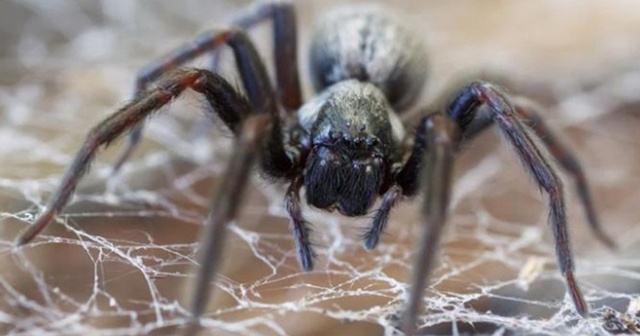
point(218, 92)
point(435, 145)
point(224, 208)
point(439, 141)
point(285, 54)
point(232, 107)
point(381, 219)
point(299, 226)
point(406, 184)
point(529, 114)
point(251, 132)
point(463, 110)
point(285, 42)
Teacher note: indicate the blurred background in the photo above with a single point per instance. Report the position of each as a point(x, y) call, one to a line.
point(120, 262)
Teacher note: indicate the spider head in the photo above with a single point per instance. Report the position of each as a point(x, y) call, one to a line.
point(351, 136)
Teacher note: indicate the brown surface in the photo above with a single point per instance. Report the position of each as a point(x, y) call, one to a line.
point(65, 70)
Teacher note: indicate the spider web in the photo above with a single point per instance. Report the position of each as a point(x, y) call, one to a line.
point(117, 260)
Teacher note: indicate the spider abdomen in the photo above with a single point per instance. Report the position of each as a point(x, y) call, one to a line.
point(363, 43)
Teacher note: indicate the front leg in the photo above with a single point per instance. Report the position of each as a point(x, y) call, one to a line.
point(250, 126)
point(285, 46)
point(464, 109)
point(432, 162)
point(564, 155)
point(285, 55)
point(428, 169)
point(531, 116)
point(227, 199)
point(299, 226)
point(231, 106)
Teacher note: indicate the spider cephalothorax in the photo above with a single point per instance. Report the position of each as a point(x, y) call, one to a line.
point(353, 142)
point(346, 146)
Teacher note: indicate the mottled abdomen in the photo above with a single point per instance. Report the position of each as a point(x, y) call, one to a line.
point(362, 42)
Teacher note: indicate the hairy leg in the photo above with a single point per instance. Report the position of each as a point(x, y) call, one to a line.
point(463, 110)
point(438, 136)
point(231, 105)
point(529, 113)
point(285, 55)
point(285, 46)
point(227, 199)
point(381, 219)
point(299, 226)
point(430, 164)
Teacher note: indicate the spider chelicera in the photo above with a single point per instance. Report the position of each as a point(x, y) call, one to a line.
point(347, 146)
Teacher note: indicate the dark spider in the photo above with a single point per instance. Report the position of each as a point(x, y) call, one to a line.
point(347, 145)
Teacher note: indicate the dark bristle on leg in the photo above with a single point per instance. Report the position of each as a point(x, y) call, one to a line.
point(230, 105)
point(427, 158)
point(529, 114)
point(224, 208)
point(285, 37)
point(107, 131)
point(504, 114)
point(299, 226)
point(255, 121)
point(440, 136)
point(381, 219)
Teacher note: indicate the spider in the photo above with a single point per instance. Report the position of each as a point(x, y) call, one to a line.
point(347, 146)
